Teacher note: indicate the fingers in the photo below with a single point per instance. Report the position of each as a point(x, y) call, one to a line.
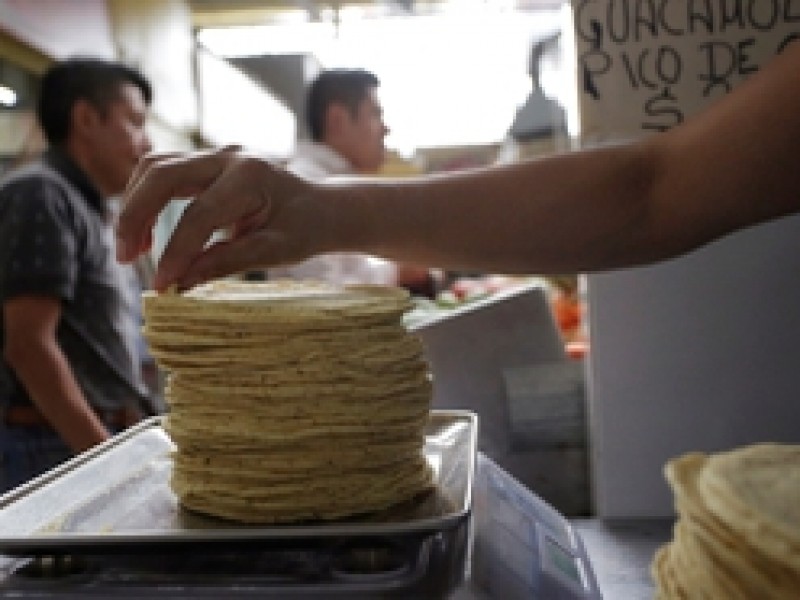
point(254, 249)
point(236, 196)
point(223, 258)
point(158, 179)
point(144, 164)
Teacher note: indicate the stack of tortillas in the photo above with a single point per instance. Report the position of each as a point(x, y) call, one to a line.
point(738, 529)
point(291, 401)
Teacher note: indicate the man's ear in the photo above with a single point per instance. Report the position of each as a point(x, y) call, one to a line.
point(84, 117)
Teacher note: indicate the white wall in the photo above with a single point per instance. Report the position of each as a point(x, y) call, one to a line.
point(697, 353)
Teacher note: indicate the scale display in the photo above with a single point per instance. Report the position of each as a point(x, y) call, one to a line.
point(523, 547)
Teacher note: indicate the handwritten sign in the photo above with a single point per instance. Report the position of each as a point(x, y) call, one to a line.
point(644, 66)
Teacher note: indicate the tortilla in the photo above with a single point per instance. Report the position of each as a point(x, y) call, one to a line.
point(736, 522)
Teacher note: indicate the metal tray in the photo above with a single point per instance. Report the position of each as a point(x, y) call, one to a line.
point(116, 497)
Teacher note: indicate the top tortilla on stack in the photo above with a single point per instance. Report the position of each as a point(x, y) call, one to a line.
point(291, 401)
point(738, 532)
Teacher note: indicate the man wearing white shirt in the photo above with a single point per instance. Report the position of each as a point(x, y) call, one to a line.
point(345, 119)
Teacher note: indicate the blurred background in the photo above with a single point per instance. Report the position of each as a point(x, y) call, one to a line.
point(463, 82)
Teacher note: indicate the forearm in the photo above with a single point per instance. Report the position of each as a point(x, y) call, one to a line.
point(48, 379)
point(527, 217)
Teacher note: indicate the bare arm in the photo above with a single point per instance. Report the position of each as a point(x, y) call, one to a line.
point(728, 168)
point(733, 166)
point(32, 350)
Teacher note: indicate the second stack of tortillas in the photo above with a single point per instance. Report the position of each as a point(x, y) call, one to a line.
point(738, 532)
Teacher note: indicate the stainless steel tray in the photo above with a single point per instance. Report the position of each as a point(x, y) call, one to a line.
point(117, 497)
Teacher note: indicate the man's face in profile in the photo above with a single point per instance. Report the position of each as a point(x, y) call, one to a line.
point(118, 139)
point(365, 132)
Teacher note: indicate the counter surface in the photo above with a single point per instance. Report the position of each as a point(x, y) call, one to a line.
point(620, 551)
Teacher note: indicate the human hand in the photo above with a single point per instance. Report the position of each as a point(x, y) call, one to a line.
point(264, 210)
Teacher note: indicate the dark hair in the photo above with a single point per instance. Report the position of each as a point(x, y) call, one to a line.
point(347, 87)
point(95, 80)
